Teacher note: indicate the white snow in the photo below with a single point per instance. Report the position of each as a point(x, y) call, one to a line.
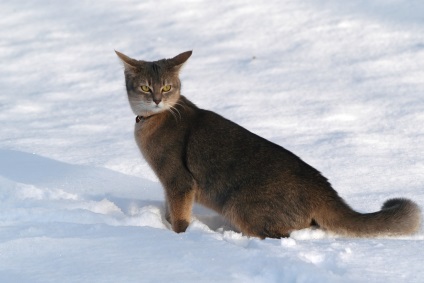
point(339, 84)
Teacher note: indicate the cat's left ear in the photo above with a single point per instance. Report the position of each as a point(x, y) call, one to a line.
point(130, 64)
point(178, 61)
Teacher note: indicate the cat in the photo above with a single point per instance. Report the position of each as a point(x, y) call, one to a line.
point(261, 188)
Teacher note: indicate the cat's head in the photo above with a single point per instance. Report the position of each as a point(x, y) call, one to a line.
point(153, 87)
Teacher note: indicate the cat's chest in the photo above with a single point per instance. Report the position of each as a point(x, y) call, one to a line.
point(158, 139)
point(146, 135)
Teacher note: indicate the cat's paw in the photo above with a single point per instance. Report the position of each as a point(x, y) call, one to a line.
point(180, 226)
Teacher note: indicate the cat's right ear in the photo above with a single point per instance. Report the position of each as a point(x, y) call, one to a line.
point(129, 63)
point(178, 61)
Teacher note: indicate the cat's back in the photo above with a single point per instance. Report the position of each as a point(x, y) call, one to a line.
point(218, 136)
point(221, 150)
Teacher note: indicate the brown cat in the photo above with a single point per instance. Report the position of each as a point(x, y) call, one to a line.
point(261, 188)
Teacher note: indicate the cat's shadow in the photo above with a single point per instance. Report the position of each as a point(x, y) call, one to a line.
point(212, 219)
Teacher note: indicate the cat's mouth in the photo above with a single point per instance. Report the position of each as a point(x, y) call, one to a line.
point(156, 108)
point(149, 108)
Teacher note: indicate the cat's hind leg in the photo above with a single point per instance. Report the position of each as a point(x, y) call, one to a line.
point(257, 220)
point(265, 219)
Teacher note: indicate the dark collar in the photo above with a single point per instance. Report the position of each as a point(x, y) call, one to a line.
point(139, 118)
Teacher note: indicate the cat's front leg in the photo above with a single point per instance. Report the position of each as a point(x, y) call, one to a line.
point(167, 213)
point(179, 209)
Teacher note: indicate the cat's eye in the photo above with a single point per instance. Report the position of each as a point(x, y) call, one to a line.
point(166, 88)
point(145, 88)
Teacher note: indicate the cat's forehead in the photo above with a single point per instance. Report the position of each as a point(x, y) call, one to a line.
point(157, 70)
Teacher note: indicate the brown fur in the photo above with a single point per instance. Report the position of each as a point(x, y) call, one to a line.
point(261, 188)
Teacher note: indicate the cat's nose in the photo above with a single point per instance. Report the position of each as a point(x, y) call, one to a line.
point(157, 101)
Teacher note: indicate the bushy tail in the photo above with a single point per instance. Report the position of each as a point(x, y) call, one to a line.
point(397, 217)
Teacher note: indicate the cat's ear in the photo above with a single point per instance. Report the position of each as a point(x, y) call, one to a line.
point(178, 61)
point(129, 63)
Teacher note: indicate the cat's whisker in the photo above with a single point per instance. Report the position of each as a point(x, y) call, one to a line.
point(173, 114)
point(179, 104)
point(175, 109)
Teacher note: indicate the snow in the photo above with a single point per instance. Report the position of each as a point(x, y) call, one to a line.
point(340, 85)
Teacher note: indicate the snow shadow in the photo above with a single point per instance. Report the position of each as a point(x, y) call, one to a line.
point(98, 189)
point(32, 169)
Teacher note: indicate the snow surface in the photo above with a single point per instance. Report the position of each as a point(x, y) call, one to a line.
point(339, 84)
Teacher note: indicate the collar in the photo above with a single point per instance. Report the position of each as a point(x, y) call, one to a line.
point(139, 118)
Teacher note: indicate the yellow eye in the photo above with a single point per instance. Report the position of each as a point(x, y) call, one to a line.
point(145, 88)
point(166, 88)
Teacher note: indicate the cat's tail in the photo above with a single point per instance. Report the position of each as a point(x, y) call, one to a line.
point(397, 217)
